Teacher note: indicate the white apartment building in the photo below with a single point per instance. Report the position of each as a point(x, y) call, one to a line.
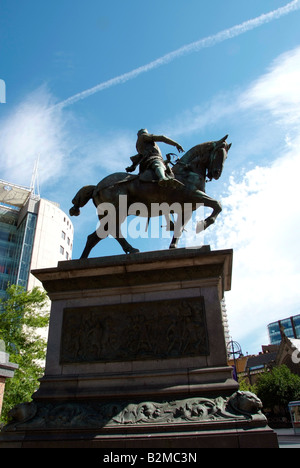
point(34, 233)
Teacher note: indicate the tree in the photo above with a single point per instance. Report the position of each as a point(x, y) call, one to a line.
point(278, 387)
point(246, 387)
point(22, 313)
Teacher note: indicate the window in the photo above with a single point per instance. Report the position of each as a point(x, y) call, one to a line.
point(296, 321)
point(274, 333)
point(61, 249)
point(63, 235)
point(288, 328)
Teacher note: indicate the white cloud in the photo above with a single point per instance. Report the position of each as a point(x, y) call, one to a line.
point(69, 154)
point(31, 130)
point(272, 101)
point(278, 91)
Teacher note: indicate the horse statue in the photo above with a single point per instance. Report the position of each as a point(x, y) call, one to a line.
point(191, 171)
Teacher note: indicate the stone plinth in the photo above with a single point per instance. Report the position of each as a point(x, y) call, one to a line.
point(136, 357)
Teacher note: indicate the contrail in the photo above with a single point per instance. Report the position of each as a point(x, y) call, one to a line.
point(187, 49)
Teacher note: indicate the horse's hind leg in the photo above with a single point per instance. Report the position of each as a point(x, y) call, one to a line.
point(81, 198)
point(182, 220)
point(128, 249)
point(92, 241)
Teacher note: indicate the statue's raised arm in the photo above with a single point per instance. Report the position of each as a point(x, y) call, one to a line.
point(168, 141)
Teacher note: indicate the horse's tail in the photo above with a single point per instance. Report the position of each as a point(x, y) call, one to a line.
point(81, 198)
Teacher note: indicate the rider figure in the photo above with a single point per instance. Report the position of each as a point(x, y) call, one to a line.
point(149, 157)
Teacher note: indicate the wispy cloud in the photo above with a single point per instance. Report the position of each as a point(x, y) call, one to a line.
point(29, 131)
point(274, 98)
point(196, 46)
point(278, 91)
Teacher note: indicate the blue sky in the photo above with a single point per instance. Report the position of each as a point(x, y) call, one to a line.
point(247, 86)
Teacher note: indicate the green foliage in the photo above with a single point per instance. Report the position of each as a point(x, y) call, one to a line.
point(22, 313)
point(246, 387)
point(278, 387)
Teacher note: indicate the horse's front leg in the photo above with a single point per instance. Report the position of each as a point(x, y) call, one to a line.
point(216, 207)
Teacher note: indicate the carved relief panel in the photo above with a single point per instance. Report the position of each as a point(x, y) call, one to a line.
point(135, 331)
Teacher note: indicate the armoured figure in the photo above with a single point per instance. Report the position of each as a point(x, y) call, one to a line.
point(150, 160)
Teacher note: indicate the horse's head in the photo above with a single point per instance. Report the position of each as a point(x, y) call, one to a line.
point(217, 158)
point(206, 160)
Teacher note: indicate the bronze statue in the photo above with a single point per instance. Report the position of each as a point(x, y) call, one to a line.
point(155, 186)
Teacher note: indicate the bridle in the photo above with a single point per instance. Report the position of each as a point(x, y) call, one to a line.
point(212, 158)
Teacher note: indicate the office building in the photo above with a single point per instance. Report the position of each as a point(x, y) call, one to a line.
point(290, 326)
point(34, 233)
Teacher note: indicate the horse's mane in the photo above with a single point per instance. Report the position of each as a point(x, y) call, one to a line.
point(200, 151)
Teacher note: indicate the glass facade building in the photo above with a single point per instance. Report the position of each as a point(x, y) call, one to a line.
point(291, 326)
point(16, 243)
point(25, 239)
point(8, 234)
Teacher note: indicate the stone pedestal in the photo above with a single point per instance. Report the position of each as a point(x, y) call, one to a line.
point(137, 358)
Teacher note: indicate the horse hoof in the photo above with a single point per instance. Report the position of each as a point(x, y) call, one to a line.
point(74, 211)
point(201, 226)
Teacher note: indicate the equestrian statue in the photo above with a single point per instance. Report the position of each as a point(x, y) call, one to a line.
point(158, 183)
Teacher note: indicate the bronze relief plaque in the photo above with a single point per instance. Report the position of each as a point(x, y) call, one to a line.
point(134, 331)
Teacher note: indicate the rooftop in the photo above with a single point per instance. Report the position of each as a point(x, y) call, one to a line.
point(14, 195)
